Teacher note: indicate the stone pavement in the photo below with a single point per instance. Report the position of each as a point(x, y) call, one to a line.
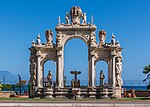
point(74, 104)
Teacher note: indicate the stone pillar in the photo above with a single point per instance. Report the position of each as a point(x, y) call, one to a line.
point(113, 71)
point(91, 72)
point(39, 73)
point(60, 68)
point(110, 73)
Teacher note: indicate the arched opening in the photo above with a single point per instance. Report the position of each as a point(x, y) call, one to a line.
point(76, 58)
point(49, 65)
point(101, 65)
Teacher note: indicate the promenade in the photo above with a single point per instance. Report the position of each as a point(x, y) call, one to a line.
point(100, 103)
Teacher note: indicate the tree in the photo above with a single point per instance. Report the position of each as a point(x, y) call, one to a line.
point(147, 71)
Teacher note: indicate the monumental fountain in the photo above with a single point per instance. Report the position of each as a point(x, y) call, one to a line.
point(76, 26)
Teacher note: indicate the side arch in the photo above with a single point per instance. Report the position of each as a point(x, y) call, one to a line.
point(101, 65)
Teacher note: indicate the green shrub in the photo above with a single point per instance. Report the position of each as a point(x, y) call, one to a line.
point(148, 86)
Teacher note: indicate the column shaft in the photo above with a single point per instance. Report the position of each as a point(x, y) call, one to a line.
point(113, 72)
point(93, 71)
point(39, 74)
point(60, 75)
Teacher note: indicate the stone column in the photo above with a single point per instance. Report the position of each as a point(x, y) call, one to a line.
point(113, 71)
point(91, 72)
point(60, 68)
point(110, 73)
point(39, 73)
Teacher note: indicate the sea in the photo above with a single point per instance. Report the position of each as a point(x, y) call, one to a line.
point(135, 87)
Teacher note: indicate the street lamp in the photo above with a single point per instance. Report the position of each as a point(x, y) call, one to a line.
point(4, 78)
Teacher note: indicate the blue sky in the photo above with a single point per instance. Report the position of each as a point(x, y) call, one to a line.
point(22, 20)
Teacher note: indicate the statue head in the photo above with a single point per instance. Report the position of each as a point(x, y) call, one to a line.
point(102, 36)
point(119, 59)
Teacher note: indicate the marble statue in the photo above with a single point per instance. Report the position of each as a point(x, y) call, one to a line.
point(49, 78)
point(119, 71)
point(76, 14)
point(67, 18)
point(113, 41)
point(102, 37)
point(84, 18)
point(38, 41)
point(102, 76)
point(49, 36)
point(117, 44)
point(33, 43)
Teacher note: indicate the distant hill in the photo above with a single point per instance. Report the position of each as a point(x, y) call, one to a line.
point(10, 78)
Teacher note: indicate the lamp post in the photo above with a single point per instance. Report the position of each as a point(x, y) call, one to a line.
point(4, 78)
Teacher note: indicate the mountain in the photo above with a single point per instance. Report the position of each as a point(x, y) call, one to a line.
point(8, 77)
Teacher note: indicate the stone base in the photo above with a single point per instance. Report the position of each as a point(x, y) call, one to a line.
point(76, 92)
point(49, 93)
point(116, 92)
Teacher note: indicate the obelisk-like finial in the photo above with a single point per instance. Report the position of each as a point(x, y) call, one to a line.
point(92, 20)
point(59, 20)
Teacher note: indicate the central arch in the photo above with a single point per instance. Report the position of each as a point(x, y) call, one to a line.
point(76, 58)
point(70, 37)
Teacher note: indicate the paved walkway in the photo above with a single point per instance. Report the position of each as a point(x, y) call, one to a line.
point(74, 104)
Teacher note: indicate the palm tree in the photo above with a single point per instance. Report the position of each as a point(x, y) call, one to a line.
point(147, 71)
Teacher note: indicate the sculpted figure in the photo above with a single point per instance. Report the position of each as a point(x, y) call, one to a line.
point(84, 18)
point(49, 78)
point(49, 36)
point(102, 37)
point(67, 18)
point(119, 71)
point(113, 41)
point(102, 76)
point(38, 41)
